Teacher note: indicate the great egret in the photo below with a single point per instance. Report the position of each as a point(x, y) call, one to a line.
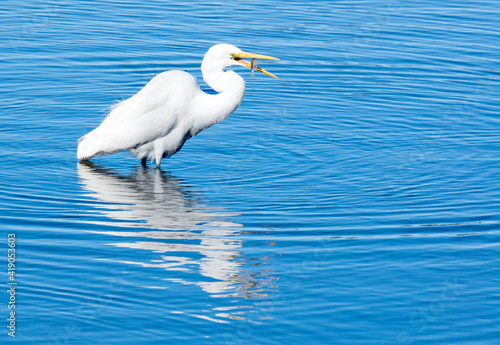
point(171, 108)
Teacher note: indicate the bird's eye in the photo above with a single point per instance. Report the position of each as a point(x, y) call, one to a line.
point(235, 58)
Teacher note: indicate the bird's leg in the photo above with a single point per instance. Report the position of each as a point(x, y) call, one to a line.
point(144, 162)
point(158, 154)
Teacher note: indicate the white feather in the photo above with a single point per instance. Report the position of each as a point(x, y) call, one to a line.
point(171, 108)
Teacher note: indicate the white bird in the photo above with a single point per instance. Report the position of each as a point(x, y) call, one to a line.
point(156, 122)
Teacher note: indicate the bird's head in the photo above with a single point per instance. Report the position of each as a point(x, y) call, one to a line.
point(228, 55)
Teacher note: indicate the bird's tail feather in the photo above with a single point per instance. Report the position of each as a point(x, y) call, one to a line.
point(96, 143)
point(92, 144)
point(86, 148)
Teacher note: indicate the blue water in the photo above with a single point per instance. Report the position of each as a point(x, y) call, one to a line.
point(353, 201)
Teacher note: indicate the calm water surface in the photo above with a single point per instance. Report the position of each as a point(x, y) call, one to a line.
point(353, 201)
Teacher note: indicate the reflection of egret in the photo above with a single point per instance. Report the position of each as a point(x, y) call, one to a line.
point(171, 212)
point(156, 122)
point(163, 201)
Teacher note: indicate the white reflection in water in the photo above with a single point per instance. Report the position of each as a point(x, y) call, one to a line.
point(166, 210)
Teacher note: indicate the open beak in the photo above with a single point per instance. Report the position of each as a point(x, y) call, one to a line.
point(239, 57)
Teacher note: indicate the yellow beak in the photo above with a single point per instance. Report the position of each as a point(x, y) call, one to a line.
point(239, 57)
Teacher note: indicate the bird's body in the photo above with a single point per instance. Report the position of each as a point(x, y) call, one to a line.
point(171, 108)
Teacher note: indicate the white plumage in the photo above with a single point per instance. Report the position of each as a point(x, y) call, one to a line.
point(171, 108)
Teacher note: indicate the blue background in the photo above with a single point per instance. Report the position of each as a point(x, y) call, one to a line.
point(353, 201)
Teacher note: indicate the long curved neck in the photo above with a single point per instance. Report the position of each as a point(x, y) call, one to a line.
point(231, 89)
point(215, 108)
point(220, 80)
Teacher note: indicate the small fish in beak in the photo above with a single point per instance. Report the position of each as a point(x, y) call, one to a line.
point(253, 65)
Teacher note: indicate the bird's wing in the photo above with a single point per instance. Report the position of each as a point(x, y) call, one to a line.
point(150, 114)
